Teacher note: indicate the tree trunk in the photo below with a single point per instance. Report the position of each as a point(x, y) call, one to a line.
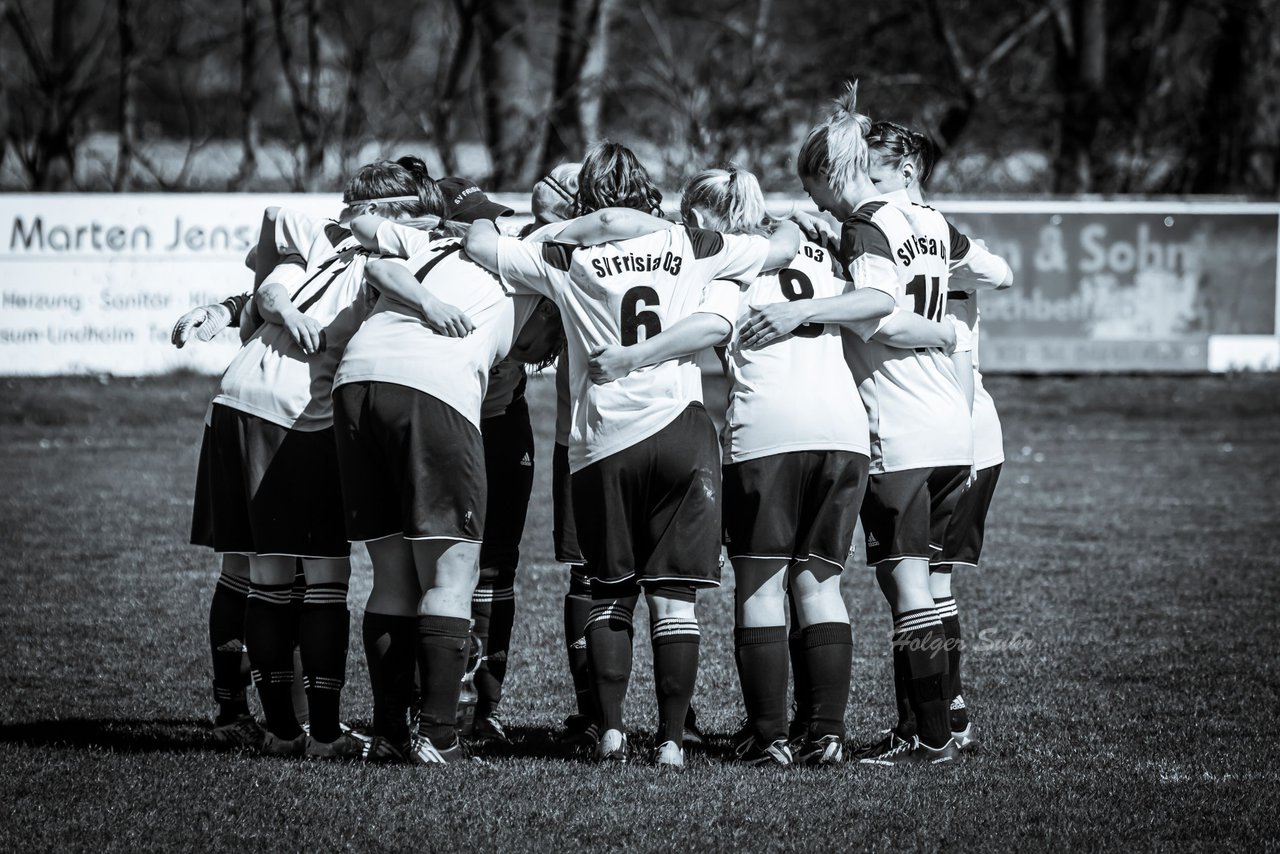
point(250, 93)
point(126, 115)
point(1082, 51)
point(595, 68)
point(511, 101)
point(1225, 121)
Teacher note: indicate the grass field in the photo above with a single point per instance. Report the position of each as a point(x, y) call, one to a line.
point(1122, 665)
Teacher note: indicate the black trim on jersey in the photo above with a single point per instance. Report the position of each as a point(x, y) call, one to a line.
point(957, 295)
point(558, 255)
point(444, 253)
point(316, 296)
point(328, 262)
point(335, 233)
point(705, 243)
point(859, 236)
point(959, 243)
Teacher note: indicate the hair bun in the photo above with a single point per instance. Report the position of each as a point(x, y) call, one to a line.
point(416, 166)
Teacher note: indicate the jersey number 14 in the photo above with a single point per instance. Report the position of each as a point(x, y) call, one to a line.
point(930, 300)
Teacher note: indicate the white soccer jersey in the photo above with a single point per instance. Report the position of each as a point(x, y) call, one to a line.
point(270, 376)
point(797, 393)
point(916, 410)
point(395, 345)
point(622, 293)
point(988, 439)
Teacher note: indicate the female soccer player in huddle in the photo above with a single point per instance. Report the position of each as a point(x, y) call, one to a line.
point(796, 457)
point(408, 406)
point(268, 484)
point(643, 456)
point(921, 438)
point(901, 159)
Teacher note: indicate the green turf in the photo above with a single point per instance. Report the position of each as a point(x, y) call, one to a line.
point(1122, 668)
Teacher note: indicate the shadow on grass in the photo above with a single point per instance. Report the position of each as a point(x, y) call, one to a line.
point(541, 743)
point(117, 734)
point(183, 736)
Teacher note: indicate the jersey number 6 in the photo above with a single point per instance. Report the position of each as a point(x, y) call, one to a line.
point(632, 320)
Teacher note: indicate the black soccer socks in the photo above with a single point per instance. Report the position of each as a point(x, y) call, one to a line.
point(443, 646)
point(761, 654)
point(609, 634)
point(676, 642)
point(270, 626)
point(226, 644)
point(391, 648)
point(919, 632)
point(828, 654)
point(323, 629)
point(493, 611)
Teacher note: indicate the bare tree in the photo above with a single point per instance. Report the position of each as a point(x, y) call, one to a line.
point(250, 93)
point(126, 101)
point(581, 34)
point(1081, 39)
point(304, 88)
point(512, 104)
point(65, 75)
point(973, 76)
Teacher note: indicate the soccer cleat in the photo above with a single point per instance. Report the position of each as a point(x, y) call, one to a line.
point(776, 753)
point(827, 750)
point(692, 735)
point(237, 734)
point(579, 732)
point(345, 746)
point(423, 752)
point(887, 740)
point(490, 730)
point(612, 747)
point(965, 739)
point(273, 745)
point(915, 752)
point(381, 750)
point(668, 756)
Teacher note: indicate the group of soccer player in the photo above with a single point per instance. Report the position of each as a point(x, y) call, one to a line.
point(378, 397)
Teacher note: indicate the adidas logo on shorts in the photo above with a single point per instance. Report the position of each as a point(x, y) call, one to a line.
point(526, 461)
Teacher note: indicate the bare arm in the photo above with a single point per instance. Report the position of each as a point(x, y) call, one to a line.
point(274, 306)
point(784, 243)
point(364, 228)
point(393, 279)
point(611, 224)
point(481, 244)
point(686, 337)
point(772, 321)
point(909, 331)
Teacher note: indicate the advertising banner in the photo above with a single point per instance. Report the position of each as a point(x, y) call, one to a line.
point(94, 283)
point(1122, 285)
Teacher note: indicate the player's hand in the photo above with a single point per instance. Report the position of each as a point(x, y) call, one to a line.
point(950, 332)
point(771, 322)
point(445, 319)
point(606, 364)
point(203, 323)
point(816, 229)
point(306, 332)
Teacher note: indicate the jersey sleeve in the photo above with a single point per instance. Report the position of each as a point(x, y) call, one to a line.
point(720, 297)
point(959, 242)
point(739, 257)
point(296, 233)
point(401, 241)
point(537, 268)
point(978, 266)
point(866, 257)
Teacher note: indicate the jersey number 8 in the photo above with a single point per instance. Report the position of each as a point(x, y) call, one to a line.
point(796, 286)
